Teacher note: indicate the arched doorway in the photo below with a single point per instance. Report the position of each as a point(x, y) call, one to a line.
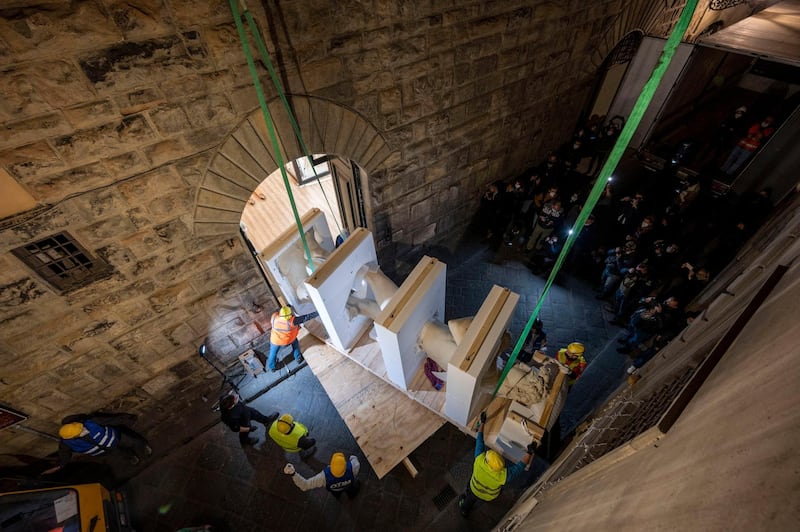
point(334, 185)
point(612, 72)
point(246, 159)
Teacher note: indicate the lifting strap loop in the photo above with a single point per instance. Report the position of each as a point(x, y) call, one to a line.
point(610, 165)
point(270, 126)
point(262, 49)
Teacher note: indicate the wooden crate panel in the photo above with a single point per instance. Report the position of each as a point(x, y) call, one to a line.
point(387, 424)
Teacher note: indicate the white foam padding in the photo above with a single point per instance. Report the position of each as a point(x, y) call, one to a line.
point(418, 300)
point(480, 344)
point(286, 261)
point(330, 286)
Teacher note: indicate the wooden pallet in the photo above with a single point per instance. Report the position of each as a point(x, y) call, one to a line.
point(387, 424)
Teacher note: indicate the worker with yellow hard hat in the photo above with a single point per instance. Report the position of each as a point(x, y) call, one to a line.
point(285, 328)
point(99, 434)
point(572, 357)
point(292, 436)
point(338, 477)
point(489, 472)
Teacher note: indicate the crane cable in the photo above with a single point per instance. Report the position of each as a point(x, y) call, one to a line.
point(639, 108)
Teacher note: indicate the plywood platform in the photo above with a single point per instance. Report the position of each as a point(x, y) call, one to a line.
point(386, 423)
point(367, 354)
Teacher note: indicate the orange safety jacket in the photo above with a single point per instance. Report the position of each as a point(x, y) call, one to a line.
point(284, 331)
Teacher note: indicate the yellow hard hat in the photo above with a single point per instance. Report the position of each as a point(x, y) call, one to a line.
point(576, 348)
point(286, 311)
point(338, 464)
point(70, 430)
point(285, 423)
point(495, 461)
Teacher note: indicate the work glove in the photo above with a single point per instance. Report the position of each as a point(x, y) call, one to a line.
point(532, 447)
point(483, 418)
point(289, 469)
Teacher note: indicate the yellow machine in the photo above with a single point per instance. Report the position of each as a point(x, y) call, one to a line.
point(74, 508)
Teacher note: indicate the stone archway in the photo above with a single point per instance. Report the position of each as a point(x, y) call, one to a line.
point(246, 157)
point(651, 18)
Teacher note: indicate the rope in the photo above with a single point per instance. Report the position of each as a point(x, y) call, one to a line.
point(270, 126)
point(645, 97)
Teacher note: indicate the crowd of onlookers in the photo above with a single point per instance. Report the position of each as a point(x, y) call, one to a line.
point(648, 252)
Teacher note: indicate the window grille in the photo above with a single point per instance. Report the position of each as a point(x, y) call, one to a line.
point(719, 5)
point(62, 262)
point(626, 49)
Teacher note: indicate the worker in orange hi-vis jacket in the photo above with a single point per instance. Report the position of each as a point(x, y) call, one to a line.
point(285, 327)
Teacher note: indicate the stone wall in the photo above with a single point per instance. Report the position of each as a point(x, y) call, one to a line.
point(111, 112)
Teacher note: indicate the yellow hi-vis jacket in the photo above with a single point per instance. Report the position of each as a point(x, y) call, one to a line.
point(486, 482)
point(288, 441)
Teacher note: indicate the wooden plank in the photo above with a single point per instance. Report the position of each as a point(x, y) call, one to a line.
point(387, 424)
point(477, 341)
point(411, 469)
point(551, 398)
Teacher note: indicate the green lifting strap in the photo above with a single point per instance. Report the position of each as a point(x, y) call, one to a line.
point(270, 127)
point(262, 49)
point(610, 165)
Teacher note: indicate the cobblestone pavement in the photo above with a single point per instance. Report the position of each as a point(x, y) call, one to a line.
point(213, 480)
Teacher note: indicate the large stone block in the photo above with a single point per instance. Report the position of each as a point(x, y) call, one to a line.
point(100, 232)
point(107, 139)
point(174, 296)
point(20, 99)
point(91, 113)
point(224, 45)
point(142, 189)
point(145, 18)
point(139, 100)
point(34, 129)
point(36, 32)
point(32, 161)
point(130, 64)
point(210, 110)
point(170, 119)
point(52, 188)
point(127, 164)
point(19, 368)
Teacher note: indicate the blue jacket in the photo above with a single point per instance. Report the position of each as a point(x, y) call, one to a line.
point(96, 442)
point(335, 484)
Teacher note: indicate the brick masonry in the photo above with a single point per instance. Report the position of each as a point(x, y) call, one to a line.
point(111, 113)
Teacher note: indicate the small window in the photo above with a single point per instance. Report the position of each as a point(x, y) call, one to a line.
point(304, 173)
point(62, 262)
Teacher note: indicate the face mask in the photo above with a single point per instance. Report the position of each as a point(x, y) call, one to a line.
point(645, 225)
point(764, 124)
point(576, 146)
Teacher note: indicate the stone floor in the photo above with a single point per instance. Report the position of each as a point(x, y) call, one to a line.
point(213, 480)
